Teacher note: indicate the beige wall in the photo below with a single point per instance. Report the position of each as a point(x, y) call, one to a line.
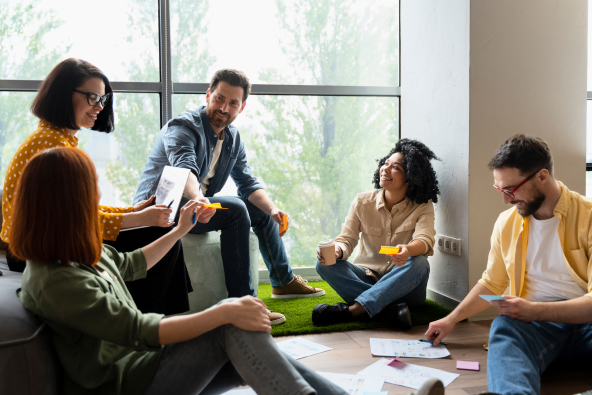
point(527, 74)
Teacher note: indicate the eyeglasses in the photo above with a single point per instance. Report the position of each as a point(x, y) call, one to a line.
point(510, 194)
point(94, 98)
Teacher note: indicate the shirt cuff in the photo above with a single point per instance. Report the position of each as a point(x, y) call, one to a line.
point(110, 225)
point(147, 338)
point(490, 287)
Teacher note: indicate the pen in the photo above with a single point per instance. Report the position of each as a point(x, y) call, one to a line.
point(431, 342)
point(194, 218)
point(171, 203)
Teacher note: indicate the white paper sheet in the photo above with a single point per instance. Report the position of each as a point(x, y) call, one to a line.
point(406, 348)
point(406, 374)
point(299, 348)
point(355, 384)
point(351, 383)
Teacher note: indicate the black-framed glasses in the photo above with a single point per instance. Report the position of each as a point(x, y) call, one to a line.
point(510, 194)
point(94, 98)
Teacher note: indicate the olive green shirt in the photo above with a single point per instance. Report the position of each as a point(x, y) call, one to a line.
point(105, 344)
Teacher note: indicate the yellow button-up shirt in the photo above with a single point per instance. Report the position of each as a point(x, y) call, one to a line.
point(48, 136)
point(370, 222)
point(506, 264)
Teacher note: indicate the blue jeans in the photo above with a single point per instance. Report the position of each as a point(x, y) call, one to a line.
point(405, 284)
point(228, 357)
point(235, 226)
point(519, 352)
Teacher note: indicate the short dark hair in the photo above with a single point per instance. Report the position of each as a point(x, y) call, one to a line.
point(419, 173)
point(525, 153)
point(233, 78)
point(53, 102)
point(64, 225)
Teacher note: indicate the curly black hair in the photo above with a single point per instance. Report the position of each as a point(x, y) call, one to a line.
point(421, 177)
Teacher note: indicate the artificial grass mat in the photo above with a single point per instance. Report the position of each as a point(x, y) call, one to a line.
point(298, 312)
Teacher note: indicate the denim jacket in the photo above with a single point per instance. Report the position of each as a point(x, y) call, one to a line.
point(188, 141)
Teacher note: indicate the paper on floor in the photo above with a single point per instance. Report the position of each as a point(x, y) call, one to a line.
point(406, 348)
point(406, 374)
point(355, 384)
point(299, 348)
point(351, 383)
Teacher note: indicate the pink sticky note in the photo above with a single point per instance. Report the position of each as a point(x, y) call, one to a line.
point(393, 361)
point(465, 365)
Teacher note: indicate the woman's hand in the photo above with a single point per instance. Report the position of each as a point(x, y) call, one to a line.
point(249, 313)
point(338, 255)
point(400, 258)
point(155, 216)
point(205, 215)
point(186, 215)
point(144, 203)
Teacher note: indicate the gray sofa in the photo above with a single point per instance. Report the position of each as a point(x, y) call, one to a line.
point(28, 364)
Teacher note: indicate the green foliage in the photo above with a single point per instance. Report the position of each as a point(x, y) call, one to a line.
point(23, 28)
point(318, 152)
point(138, 115)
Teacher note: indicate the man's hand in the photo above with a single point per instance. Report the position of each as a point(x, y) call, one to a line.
point(438, 330)
point(338, 255)
point(207, 213)
point(144, 203)
point(277, 215)
point(249, 313)
point(400, 258)
point(517, 308)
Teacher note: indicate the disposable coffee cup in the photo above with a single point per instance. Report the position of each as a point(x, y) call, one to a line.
point(327, 248)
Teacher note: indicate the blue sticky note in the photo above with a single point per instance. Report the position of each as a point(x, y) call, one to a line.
point(490, 298)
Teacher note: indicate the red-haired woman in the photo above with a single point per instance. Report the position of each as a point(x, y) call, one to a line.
point(105, 344)
point(76, 94)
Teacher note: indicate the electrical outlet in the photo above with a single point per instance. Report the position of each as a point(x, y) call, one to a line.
point(440, 242)
point(448, 244)
point(455, 246)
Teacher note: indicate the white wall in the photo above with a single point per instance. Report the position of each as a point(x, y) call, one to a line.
point(526, 62)
point(435, 110)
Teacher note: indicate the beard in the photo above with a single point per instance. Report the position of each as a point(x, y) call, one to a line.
point(532, 206)
point(216, 121)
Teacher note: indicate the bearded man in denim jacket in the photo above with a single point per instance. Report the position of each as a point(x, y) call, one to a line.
point(205, 142)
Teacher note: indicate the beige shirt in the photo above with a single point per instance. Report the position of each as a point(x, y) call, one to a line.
point(407, 221)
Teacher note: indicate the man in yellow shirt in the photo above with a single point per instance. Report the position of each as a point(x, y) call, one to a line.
point(540, 252)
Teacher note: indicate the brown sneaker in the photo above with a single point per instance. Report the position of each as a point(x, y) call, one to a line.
point(276, 318)
point(298, 288)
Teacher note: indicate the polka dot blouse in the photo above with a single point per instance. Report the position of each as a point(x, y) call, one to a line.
point(47, 136)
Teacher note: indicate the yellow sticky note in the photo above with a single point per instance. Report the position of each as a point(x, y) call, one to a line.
point(217, 206)
point(388, 250)
point(285, 225)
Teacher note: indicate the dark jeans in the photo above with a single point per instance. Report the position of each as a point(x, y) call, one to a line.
point(165, 288)
point(235, 224)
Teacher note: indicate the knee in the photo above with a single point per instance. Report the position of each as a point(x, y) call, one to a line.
point(237, 207)
point(321, 269)
point(421, 264)
point(503, 326)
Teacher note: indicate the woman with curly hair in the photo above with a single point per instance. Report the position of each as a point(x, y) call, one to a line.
point(400, 212)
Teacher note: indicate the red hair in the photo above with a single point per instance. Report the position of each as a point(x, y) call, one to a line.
point(55, 209)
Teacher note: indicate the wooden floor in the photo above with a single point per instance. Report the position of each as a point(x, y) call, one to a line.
point(351, 353)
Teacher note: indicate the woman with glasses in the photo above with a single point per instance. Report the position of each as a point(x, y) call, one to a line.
point(105, 344)
point(399, 213)
point(74, 95)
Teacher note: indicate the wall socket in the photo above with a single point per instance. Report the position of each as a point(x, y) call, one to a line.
point(448, 244)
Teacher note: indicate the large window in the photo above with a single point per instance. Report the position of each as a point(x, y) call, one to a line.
point(325, 100)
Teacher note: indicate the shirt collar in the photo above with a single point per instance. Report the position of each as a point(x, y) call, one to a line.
point(562, 205)
point(73, 140)
point(401, 206)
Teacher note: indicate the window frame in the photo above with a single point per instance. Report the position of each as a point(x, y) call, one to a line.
point(166, 88)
